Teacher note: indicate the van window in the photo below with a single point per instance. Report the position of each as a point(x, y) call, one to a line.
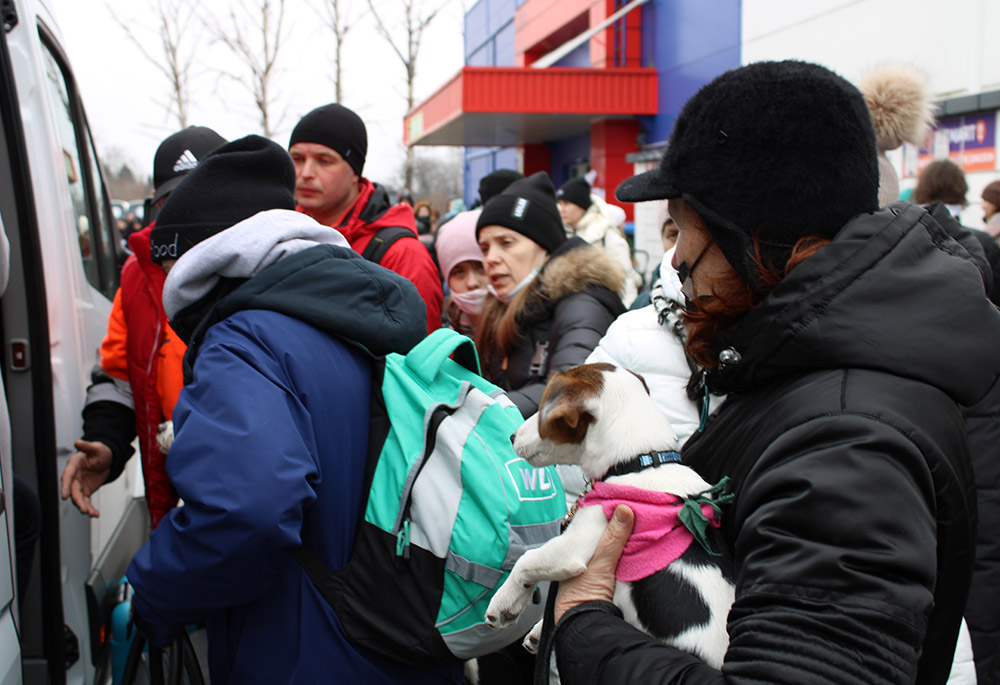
point(106, 223)
point(92, 220)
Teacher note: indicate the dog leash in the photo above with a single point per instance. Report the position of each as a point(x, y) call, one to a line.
point(547, 643)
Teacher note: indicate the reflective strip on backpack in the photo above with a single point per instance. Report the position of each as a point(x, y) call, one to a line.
point(523, 538)
point(477, 573)
point(481, 639)
point(438, 492)
point(502, 398)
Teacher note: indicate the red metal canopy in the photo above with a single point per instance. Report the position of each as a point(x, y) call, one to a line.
point(505, 106)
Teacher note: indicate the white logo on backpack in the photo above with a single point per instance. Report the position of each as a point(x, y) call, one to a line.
point(533, 485)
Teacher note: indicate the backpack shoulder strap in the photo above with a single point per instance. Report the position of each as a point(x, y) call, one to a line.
point(383, 239)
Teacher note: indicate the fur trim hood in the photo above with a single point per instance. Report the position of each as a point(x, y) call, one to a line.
point(576, 266)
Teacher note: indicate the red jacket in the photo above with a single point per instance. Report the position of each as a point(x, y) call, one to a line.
point(408, 258)
point(141, 348)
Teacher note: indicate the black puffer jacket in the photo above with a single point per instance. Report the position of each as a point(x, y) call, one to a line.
point(561, 319)
point(853, 527)
point(982, 421)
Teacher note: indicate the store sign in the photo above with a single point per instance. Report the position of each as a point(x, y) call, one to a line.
point(969, 141)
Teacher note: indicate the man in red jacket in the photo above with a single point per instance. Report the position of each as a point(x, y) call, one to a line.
point(136, 386)
point(328, 147)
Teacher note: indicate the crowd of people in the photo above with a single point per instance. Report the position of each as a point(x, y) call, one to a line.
point(829, 350)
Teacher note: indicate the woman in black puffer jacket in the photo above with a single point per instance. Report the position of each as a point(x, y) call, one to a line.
point(844, 338)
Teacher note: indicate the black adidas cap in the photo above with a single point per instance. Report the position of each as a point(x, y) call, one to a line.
point(179, 154)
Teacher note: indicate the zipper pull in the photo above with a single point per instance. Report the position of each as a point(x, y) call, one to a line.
point(403, 540)
point(705, 404)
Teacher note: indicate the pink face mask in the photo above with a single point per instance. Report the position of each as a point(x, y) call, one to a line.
point(471, 302)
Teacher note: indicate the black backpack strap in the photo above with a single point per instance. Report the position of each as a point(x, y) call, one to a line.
point(383, 239)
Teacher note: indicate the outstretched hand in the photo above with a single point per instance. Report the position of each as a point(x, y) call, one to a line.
point(598, 581)
point(85, 472)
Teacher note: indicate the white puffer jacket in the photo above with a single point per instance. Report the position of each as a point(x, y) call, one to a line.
point(963, 667)
point(595, 227)
point(638, 341)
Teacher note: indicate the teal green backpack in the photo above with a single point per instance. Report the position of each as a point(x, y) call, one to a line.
point(450, 508)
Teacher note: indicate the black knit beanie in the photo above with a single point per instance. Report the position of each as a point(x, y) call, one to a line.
point(527, 206)
point(339, 129)
point(776, 150)
point(577, 191)
point(233, 183)
point(495, 182)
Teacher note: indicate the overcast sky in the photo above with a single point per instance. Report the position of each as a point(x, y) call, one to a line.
point(121, 90)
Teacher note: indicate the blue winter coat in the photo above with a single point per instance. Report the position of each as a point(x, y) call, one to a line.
point(271, 439)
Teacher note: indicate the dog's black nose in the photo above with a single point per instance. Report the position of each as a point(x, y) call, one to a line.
point(512, 439)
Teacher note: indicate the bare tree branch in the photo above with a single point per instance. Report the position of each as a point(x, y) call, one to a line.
point(255, 36)
point(413, 28)
point(338, 17)
point(178, 37)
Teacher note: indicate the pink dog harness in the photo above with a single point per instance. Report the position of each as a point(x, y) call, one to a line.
point(665, 525)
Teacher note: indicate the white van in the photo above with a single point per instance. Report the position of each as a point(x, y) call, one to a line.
point(55, 211)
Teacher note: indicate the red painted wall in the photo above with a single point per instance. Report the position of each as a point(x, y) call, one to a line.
point(537, 157)
point(610, 141)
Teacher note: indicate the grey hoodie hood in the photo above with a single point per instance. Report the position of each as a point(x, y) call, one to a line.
point(275, 261)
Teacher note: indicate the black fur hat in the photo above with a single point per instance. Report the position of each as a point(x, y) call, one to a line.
point(527, 206)
point(776, 150)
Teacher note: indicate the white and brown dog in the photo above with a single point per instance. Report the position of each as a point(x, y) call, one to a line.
point(678, 583)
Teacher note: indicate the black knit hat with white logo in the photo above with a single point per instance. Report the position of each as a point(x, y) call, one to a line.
point(776, 150)
point(236, 181)
point(527, 206)
point(339, 129)
point(179, 154)
point(577, 191)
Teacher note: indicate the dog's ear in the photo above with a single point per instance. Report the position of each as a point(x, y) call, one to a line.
point(564, 420)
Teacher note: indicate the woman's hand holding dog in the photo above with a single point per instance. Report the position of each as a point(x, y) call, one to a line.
point(597, 583)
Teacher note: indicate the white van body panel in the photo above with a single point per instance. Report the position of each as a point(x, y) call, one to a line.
point(76, 312)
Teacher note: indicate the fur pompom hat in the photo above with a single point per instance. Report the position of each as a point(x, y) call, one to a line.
point(772, 151)
point(901, 111)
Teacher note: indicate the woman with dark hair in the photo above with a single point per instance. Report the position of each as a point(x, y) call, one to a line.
point(551, 297)
point(823, 320)
point(942, 181)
